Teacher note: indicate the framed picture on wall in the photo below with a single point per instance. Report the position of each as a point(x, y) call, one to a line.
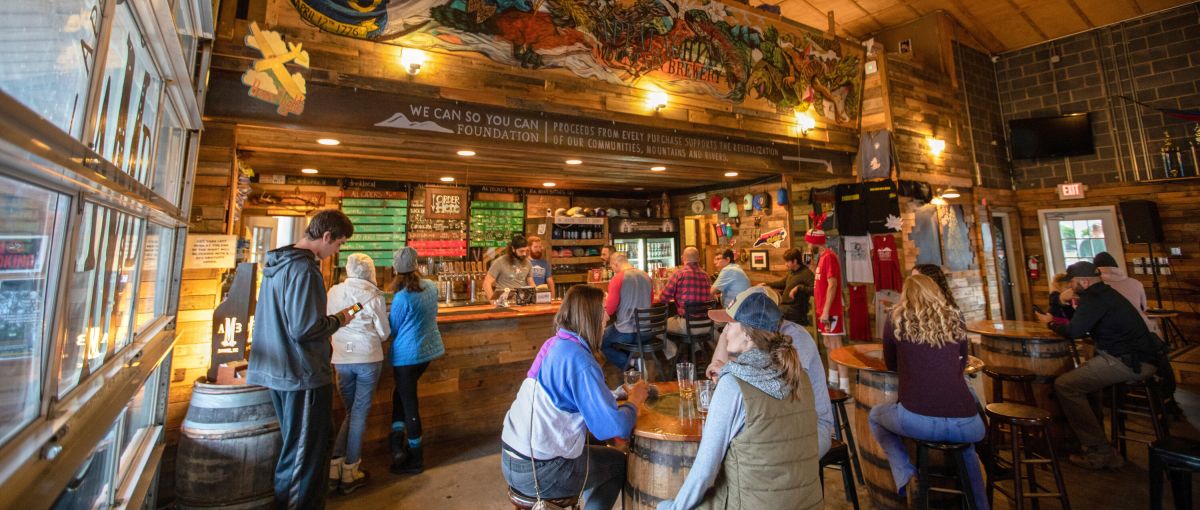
point(760, 260)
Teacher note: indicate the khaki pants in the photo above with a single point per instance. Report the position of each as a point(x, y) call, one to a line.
point(1073, 388)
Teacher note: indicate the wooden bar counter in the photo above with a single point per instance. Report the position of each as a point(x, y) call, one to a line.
point(465, 393)
point(875, 385)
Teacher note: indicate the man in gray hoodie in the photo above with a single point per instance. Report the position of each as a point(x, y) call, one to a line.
point(291, 357)
point(1133, 290)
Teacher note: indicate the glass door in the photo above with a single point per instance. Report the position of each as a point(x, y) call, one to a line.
point(1072, 235)
point(634, 248)
point(660, 253)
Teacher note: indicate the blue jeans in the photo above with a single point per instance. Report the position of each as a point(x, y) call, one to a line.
point(891, 423)
point(356, 383)
point(559, 478)
point(614, 355)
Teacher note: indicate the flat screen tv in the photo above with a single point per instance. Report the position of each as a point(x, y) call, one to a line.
point(1051, 137)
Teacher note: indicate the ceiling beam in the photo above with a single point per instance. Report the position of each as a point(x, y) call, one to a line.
point(1029, 20)
point(977, 30)
point(1082, 15)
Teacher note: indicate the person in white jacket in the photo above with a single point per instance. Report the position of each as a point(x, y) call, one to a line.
point(358, 360)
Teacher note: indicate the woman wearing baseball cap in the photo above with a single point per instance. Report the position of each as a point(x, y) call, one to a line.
point(762, 417)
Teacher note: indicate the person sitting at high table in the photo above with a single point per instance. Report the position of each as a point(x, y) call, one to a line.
point(925, 341)
point(628, 291)
point(561, 401)
point(810, 359)
point(1126, 351)
point(760, 435)
point(1062, 298)
point(688, 284)
point(731, 281)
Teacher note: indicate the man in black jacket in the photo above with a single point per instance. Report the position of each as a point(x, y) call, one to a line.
point(291, 356)
point(1125, 352)
point(796, 288)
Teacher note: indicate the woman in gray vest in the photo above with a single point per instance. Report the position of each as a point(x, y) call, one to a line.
point(761, 429)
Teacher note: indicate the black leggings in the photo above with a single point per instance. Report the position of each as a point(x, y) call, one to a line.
point(404, 397)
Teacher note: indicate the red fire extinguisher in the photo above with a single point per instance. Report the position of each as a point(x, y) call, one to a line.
point(1033, 265)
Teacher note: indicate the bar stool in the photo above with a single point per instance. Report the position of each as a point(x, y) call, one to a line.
point(842, 430)
point(522, 502)
point(1178, 459)
point(697, 328)
point(1137, 398)
point(651, 324)
point(838, 455)
point(955, 450)
point(1001, 375)
point(1025, 422)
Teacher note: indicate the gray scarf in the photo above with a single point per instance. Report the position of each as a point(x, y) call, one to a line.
point(754, 367)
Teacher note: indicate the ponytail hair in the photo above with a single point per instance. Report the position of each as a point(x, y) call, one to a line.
point(783, 356)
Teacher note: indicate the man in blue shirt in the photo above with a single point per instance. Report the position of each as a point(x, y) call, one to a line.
point(541, 267)
point(731, 281)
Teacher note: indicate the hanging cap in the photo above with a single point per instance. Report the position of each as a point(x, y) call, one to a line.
point(726, 205)
point(781, 196)
point(748, 202)
point(715, 202)
point(816, 234)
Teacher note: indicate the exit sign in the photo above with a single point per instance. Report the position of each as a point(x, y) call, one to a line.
point(1071, 191)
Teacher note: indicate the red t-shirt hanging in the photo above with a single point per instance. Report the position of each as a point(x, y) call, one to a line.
point(829, 268)
point(885, 263)
point(860, 318)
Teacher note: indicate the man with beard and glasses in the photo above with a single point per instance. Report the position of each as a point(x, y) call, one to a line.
point(541, 267)
point(511, 271)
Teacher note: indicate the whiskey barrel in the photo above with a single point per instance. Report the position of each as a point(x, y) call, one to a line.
point(656, 469)
point(228, 448)
point(1046, 357)
point(874, 388)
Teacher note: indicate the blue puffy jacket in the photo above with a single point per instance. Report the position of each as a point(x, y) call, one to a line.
point(415, 335)
point(291, 349)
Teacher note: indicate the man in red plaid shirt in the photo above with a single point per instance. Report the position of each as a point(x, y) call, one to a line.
point(688, 284)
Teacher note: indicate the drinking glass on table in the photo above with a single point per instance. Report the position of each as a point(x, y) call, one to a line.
point(686, 373)
point(704, 393)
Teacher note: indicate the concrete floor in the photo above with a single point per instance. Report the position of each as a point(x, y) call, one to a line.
point(466, 476)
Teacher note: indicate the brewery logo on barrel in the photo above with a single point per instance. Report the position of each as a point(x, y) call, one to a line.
point(21, 254)
point(269, 78)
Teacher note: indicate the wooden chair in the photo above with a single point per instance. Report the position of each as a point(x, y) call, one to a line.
point(1178, 459)
point(697, 328)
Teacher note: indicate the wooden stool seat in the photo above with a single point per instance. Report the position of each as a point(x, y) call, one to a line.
point(955, 451)
point(1021, 376)
point(838, 396)
point(1019, 414)
point(1009, 373)
point(523, 502)
point(1137, 398)
point(839, 456)
point(1178, 459)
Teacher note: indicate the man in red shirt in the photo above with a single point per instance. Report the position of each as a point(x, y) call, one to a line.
point(827, 299)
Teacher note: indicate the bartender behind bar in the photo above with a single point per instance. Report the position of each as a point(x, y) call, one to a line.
point(510, 271)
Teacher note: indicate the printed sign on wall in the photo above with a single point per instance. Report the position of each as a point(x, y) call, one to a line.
point(22, 254)
point(445, 203)
point(210, 251)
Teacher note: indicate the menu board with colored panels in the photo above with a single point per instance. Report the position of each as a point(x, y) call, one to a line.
point(494, 223)
point(435, 237)
point(379, 228)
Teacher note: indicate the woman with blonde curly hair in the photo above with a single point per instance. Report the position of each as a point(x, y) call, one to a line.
point(925, 341)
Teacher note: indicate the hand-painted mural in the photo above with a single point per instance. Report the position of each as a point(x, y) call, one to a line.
point(683, 46)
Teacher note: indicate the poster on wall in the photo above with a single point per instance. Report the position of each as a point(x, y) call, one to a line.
point(210, 251)
point(682, 46)
point(956, 239)
point(925, 235)
point(22, 254)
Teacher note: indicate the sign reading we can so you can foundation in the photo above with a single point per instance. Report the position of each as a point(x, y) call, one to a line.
point(445, 203)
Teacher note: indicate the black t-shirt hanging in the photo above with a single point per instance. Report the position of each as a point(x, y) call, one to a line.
point(851, 209)
point(823, 200)
point(883, 207)
point(875, 155)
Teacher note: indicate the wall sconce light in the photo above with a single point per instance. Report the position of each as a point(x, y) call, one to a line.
point(950, 193)
point(938, 201)
point(657, 100)
point(936, 145)
point(805, 122)
point(411, 59)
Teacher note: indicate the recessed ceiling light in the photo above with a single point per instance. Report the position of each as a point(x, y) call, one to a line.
point(638, 189)
point(466, 153)
point(329, 141)
point(731, 174)
point(308, 170)
point(657, 168)
point(574, 162)
point(548, 184)
point(447, 179)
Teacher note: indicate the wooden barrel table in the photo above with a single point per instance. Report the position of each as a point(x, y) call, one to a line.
point(1031, 346)
point(875, 385)
point(229, 444)
point(662, 449)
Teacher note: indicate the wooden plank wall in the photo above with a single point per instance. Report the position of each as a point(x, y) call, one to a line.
point(1179, 209)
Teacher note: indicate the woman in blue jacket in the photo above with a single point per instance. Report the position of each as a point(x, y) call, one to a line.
point(415, 342)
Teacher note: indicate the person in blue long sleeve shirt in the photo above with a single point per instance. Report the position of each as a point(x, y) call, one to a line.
point(562, 399)
point(416, 342)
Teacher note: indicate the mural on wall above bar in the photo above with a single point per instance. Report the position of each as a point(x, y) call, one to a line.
point(682, 46)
